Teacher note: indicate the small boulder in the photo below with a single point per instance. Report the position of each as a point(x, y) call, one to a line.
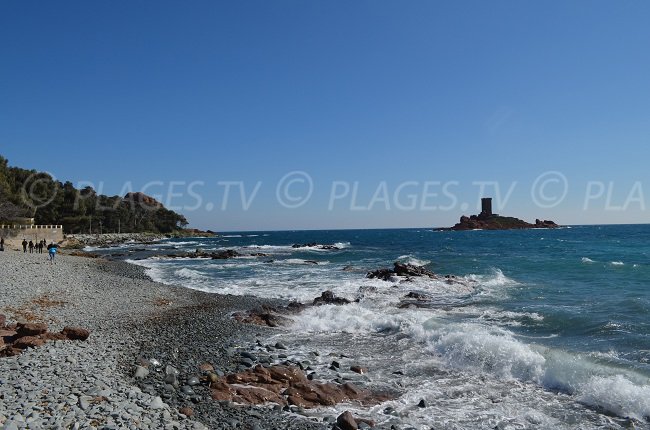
point(75, 333)
point(141, 372)
point(346, 421)
point(157, 403)
point(28, 342)
point(188, 412)
point(31, 329)
point(358, 369)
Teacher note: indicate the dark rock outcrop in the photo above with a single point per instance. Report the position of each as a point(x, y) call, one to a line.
point(216, 255)
point(328, 298)
point(346, 421)
point(400, 269)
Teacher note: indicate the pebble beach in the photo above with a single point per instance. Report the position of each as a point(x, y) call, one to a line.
point(139, 368)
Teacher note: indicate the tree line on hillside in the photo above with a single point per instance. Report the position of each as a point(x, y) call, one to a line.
point(31, 194)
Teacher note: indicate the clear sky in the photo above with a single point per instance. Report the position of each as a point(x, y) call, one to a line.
point(393, 112)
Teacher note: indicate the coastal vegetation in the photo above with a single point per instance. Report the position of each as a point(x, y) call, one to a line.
point(32, 194)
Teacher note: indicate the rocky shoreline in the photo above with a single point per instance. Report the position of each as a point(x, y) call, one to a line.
point(72, 241)
point(109, 239)
point(143, 335)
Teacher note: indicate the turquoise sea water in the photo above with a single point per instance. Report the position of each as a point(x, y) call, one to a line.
point(539, 329)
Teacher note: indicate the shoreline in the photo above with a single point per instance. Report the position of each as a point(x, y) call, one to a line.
point(132, 319)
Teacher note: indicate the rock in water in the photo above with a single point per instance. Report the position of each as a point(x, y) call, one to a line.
point(346, 421)
point(328, 298)
point(358, 369)
point(400, 269)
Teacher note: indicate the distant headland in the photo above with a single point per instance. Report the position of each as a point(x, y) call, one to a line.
point(487, 220)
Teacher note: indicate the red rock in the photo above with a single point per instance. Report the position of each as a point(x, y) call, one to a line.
point(188, 412)
point(10, 352)
point(75, 333)
point(28, 342)
point(220, 390)
point(54, 336)
point(3, 320)
point(346, 421)
point(257, 396)
point(31, 329)
point(272, 384)
point(8, 334)
point(261, 318)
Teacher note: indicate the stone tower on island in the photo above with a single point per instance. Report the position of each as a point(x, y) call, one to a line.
point(486, 207)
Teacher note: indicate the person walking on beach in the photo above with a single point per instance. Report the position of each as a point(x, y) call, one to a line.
point(31, 247)
point(24, 245)
point(51, 250)
point(40, 246)
point(2, 244)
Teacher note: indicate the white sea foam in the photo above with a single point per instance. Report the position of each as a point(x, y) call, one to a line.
point(295, 261)
point(483, 349)
point(107, 248)
point(182, 243)
point(498, 352)
point(617, 395)
point(587, 260)
point(617, 263)
point(352, 318)
point(190, 274)
point(409, 259)
point(497, 316)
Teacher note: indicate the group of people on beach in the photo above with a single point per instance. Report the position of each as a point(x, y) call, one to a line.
point(36, 247)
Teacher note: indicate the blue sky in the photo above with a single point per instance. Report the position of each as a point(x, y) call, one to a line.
point(435, 97)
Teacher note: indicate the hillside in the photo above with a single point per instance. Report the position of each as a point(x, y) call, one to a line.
point(32, 194)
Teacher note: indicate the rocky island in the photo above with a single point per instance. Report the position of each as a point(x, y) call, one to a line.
point(487, 220)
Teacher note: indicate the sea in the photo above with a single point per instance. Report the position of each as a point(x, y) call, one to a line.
point(531, 329)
